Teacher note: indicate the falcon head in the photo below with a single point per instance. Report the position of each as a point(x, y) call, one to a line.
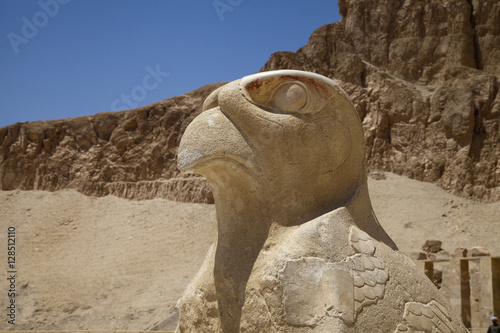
point(291, 137)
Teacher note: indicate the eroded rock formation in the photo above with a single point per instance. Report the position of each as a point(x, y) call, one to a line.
point(130, 154)
point(423, 75)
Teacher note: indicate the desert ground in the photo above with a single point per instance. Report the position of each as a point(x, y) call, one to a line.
point(105, 263)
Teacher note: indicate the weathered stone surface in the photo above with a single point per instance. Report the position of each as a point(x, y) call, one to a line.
point(440, 255)
point(299, 248)
point(418, 255)
point(478, 251)
point(320, 286)
point(424, 77)
point(460, 252)
point(432, 246)
point(130, 154)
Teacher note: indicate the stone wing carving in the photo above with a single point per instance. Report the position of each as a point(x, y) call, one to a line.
point(428, 318)
point(368, 271)
point(314, 288)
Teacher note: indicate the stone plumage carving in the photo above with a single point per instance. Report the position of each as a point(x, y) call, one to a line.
point(299, 248)
point(369, 274)
point(432, 317)
point(323, 284)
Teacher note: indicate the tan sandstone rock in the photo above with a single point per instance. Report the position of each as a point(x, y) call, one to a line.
point(460, 252)
point(478, 251)
point(299, 248)
point(423, 76)
point(130, 154)
point(432, 246)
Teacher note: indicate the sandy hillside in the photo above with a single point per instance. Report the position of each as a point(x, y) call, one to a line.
point(111, 263)
point(101, 263)
point(413, 211)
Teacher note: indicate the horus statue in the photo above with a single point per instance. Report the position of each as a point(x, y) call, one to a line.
point(299, 248)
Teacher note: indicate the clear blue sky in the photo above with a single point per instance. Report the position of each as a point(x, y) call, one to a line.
point(67, 58)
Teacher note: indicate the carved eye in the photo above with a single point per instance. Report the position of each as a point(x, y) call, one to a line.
point(288, 91)
point(290, 97)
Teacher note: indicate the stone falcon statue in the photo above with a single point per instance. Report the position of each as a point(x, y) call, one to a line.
point(299, 248)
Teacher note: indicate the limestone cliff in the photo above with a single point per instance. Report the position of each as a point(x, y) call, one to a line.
point(424, 77)
point(130, 154)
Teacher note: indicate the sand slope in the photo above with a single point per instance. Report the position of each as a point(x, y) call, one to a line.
point(101, 263)
point(413, 211)
point(111, 263)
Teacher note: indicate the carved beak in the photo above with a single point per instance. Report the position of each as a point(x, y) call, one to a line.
point(211, 136)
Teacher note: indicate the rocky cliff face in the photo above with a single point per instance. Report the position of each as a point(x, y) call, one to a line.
point(424, 76)
point(130, 154)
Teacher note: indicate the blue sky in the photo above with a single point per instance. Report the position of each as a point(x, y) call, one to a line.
point(68, 58)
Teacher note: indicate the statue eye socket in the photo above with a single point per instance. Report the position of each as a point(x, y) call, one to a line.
point(290, 97)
